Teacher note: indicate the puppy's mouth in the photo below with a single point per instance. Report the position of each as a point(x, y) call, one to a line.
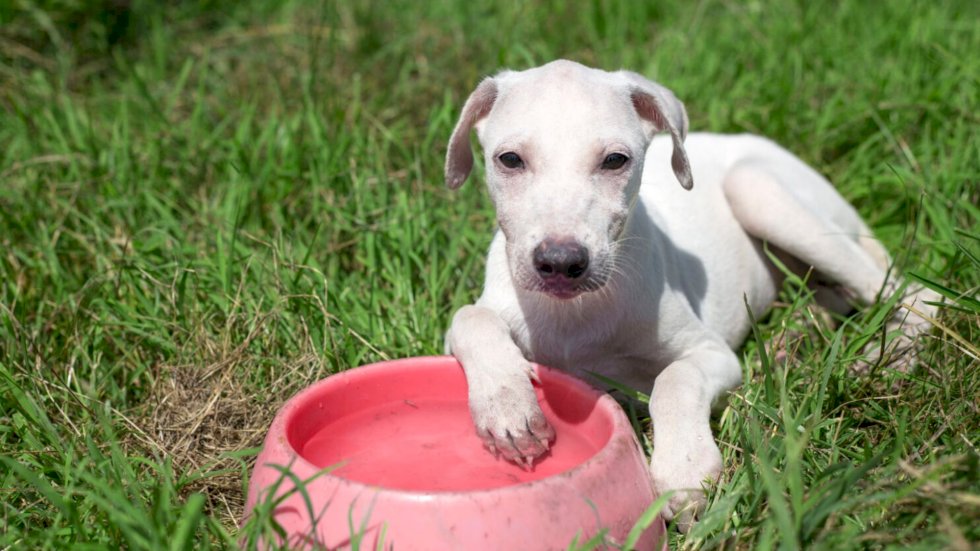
point(564, 288)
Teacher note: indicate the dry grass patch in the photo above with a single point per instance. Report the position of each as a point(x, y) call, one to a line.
point(207, 419)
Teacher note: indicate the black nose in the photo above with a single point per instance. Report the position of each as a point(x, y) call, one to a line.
point(565, 257)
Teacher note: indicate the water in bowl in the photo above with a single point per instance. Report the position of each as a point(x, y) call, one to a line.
point(431, 445)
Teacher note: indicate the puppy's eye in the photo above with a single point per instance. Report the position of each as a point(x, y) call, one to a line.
point(511, 160)
point(614, 161)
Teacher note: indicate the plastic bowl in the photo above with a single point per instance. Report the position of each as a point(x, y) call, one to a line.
point(389, 457)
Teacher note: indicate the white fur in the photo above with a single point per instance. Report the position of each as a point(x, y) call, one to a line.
point(670, 270)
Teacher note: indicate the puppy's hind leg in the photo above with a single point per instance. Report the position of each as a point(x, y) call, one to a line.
point(763, 205)
point(763, 200)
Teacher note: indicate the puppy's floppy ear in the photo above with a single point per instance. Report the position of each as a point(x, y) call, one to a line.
point(661, 108)
point(459, 156)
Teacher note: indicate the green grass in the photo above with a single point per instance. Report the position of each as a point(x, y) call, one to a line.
point(205, 208)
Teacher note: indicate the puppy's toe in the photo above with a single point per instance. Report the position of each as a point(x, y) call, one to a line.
point(533, 441)
point(685, 473)
point(541, 429)
point(684, 508)
point(521, 445)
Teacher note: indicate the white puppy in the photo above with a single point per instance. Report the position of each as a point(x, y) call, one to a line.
point(603, 263)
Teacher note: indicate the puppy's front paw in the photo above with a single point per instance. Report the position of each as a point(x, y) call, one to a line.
point(509, 420)
point(686, 472)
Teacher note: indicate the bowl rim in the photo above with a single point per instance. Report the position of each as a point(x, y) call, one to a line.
point(621, 428)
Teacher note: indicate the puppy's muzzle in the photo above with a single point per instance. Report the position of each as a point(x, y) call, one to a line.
point(561, 265)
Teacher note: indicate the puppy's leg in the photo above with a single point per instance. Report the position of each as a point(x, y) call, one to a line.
point(761, 199)
point(765, 208)
point(685, 456)
point(502, 401)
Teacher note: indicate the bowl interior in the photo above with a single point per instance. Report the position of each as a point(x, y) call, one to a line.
point(405, 425)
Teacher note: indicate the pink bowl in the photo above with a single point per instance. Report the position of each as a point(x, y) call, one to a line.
point(389, 456)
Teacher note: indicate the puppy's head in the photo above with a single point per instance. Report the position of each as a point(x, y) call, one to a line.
point(564, 147)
